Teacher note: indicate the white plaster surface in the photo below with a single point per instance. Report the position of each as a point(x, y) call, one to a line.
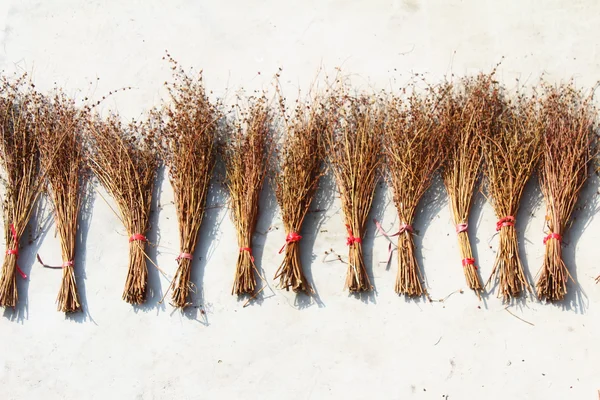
point(379, 347)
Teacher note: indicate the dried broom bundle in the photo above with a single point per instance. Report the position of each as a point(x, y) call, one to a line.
point(124, 159)
point(512, 151)
point(300, 168)
point(466, 114)
point(190, 136)
point(60, 141)
point(19, 155)
point(414, 148)
point(568, 147)
point(247, 153)
point(355, 152)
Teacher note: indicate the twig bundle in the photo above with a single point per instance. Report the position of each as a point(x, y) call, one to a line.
point(355, 152)
point(19, 156)
point(467, 113)
point(124, 159)
point(512, 151)
point(300, 168)
point(190, 136)
point(569, 118)
point(247, 153)
point(61, 150)
point(414, 149)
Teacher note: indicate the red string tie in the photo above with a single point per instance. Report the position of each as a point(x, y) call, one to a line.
point(291, 237)
point(15, 252)
point(351, 238)
point(249, 250)
point(505, 221)
point(403, 228)
point(469, 261)
point(187, 256)
point(553, 236)
point(460, 228)
point(137, 236)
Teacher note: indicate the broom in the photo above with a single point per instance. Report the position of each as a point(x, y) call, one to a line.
point(300, 168)
point(354, 146)
point(61, 150)
point(568, 147)
point(124, 159)
point(190, 136)
point(246, 162)
point(22, 176)
point(511, 152)
point(414, 149)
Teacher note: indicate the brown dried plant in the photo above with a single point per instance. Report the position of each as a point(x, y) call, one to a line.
point(124, 159)
point(414, 148)
point(300, 168)
point(190, 138)
point(355, 153)
point(467, 113)
point(512, 151)
point(568, 147)
point(60, 139)
point(247, 155)
point(19, 156)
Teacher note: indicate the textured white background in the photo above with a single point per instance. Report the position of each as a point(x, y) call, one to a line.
point(380, 346)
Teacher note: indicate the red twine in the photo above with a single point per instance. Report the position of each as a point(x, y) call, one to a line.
point(15, 252)
point(249, 250)
point(553, 236)
point(505, 221)
point(137, 236)
point(351, 238)
point(64, 264)
point(403, 228)
point(291, 237)
point(187, 256)
point(460, 228)
point(469, 261)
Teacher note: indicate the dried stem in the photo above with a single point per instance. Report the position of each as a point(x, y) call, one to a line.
point(569, 119)
point(19, 157)
point(414, 148)
point(512, 150)
point(190, 138)
point(247, 154)
point(300, 167)
point(61, 149)
point(354, 146)
point(124, 159)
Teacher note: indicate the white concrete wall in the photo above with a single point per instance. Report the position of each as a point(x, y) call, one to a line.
point(379, 347)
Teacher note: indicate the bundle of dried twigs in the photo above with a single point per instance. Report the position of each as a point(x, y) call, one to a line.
point(466, 113)
point(569, 118)
point(247, 156)
point(60, 139)
point(414, 148)
point(300, 168)
point(190, 136)
point(19, 156)
point(512, 150)
point(355, 152)
point(124, 159)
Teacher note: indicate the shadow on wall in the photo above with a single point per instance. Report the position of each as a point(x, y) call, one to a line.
point(38, 226)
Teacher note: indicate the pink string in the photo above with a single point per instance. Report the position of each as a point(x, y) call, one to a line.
point(249, 250)
point(187, 256)
point(15, 252)
point(291, 237)
point(505, 221)
point(469, 261)
point(460, 228)
point(553, 236)
point(137, 236)
point(64, 264)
